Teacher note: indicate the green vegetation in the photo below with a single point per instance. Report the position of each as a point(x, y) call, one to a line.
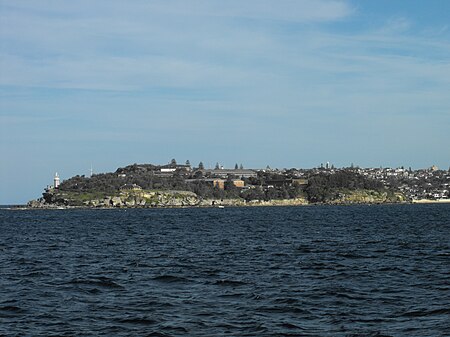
point(329, 187)
point(346, 185)
point(72, 198)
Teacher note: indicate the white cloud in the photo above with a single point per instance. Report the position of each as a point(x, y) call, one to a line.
point(289, 10)
point(272, 78)
point(199, 45)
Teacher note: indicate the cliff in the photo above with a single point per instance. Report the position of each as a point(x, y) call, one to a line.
point(154, 198)
point(139, 198)
point(367, 197)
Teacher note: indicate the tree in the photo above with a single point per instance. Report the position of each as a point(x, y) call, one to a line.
point(271, 194)
point(241, 167)
point(236, 166)
point(198, 175)
point(230, 189)
point(253, 194)
point(218, 193)
point(217, 166)
point(188, 163)
point(201, 166)
point(173, 162)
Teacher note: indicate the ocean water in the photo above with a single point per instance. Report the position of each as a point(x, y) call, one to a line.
point(264, 271)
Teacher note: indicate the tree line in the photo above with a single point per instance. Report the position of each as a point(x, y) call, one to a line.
point(321, 187)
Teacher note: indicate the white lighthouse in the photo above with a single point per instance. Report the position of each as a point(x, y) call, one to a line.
point(56, 180)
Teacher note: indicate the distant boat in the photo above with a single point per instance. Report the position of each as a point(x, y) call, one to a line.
point(220, 206)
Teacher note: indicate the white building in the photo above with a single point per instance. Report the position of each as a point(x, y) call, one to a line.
point(56, 181)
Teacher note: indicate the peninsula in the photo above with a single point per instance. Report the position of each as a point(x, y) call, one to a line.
point(176, 185)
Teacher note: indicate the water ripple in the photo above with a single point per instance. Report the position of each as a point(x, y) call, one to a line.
point(305, 271)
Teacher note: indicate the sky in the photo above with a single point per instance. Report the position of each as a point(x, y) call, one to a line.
point(284, 83)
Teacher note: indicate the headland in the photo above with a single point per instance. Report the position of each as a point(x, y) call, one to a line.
point(174, 185)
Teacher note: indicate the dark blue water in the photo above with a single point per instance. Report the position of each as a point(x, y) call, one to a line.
point(291, 271)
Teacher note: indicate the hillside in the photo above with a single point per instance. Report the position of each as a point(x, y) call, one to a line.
point(172, 185)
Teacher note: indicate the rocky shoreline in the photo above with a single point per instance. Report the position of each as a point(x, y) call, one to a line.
point(185, 199)
point(163, 202)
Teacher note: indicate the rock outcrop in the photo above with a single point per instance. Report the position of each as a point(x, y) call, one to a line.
point(147, 199)
point(130, 199)
point(242, 202)
point(367, 197)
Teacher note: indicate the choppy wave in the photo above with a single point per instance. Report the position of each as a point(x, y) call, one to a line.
point(306, 271)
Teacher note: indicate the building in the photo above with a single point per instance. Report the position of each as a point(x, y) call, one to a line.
point(219, 183)
point(175, 167)
point(168, 169)
point(238, 183)
point(224, 173)
point(299, 181)
point(56, 181)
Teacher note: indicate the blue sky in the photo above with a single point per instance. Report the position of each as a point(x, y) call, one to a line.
point(283, 83)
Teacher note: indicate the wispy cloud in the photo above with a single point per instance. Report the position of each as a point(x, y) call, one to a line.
point(110, 45)
point(295, 75)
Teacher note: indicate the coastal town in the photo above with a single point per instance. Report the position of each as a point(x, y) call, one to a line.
point(423, 184)
point(429, 184)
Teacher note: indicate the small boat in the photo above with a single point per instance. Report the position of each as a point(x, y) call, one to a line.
point(220, 206)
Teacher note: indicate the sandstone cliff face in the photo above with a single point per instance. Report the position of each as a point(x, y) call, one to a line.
point(146, 199)
point(242, 202)
point(122, 199)
point(368, 197)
